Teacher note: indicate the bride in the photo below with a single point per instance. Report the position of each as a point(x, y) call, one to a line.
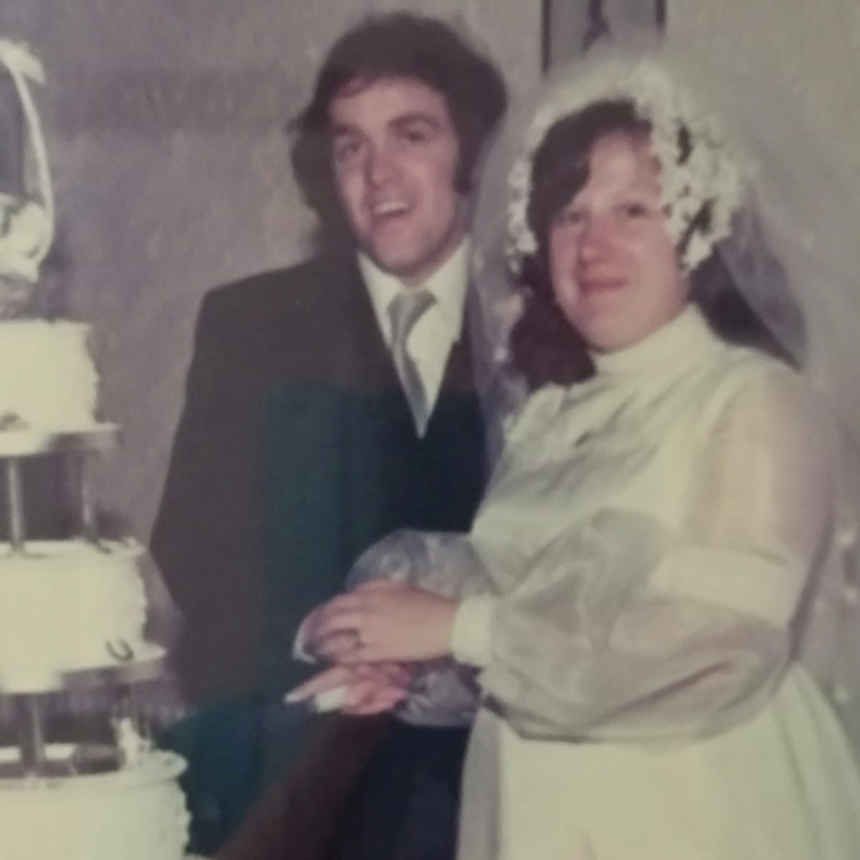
point(645, 599)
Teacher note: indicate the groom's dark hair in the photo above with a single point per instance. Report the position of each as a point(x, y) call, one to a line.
point(398, 45)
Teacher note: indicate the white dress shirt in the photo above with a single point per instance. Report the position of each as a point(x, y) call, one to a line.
point(438, 328)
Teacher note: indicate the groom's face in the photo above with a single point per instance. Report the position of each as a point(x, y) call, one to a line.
point(395, 156)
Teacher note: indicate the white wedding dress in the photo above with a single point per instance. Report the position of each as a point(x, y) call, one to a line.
point(640, 571)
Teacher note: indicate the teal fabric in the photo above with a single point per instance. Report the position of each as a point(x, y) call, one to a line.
point(221, 743)
point(343, 469)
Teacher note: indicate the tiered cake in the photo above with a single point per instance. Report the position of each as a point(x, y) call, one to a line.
point(72, 617)
point(73, 609)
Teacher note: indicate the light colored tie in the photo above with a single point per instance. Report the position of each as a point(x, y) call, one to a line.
point(403, 312)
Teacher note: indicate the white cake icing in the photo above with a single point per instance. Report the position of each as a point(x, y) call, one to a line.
point(67, 606)
point(136, 813)
point(47, 377)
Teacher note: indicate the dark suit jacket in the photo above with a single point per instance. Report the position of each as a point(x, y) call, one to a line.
point(294, 453)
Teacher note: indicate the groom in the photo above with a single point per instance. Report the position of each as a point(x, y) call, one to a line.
point(326, 406)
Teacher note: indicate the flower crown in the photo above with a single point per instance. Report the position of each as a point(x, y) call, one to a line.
point(698, 164)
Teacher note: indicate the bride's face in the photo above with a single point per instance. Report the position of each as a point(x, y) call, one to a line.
point(613, 265)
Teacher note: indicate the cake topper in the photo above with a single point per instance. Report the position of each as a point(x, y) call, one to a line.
point(26, 220)
point(132, 746)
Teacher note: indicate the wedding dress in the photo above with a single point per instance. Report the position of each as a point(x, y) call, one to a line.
point(646, 543)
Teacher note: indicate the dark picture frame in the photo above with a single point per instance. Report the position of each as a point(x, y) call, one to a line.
point(11, 137)
point(570, 27)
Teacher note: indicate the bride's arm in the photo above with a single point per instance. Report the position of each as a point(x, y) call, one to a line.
point(625, 630)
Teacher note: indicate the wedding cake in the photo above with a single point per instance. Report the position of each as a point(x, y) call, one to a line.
point(73, 609)
point(67, 606)
point(48, 384)
point(135, 812)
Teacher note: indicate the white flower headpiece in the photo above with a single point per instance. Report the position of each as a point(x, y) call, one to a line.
point(698, 164)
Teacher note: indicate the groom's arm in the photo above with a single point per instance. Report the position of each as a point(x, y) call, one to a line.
point(204, 539)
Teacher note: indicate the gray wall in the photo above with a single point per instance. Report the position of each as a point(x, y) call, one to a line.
point(164, 122)
point(811, 48)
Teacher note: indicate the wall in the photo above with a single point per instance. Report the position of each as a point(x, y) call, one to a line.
point(812, 49)
point(165, 124)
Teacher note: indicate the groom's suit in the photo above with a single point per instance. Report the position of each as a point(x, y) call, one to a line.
point(296, 450)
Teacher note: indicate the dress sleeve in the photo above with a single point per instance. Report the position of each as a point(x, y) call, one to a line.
point(444, 563)
point(625, 629)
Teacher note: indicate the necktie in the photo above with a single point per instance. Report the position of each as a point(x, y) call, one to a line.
point(403, 312)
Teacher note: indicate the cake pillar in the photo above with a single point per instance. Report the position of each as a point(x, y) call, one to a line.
point(87, 511)
point(15, 504)
point(31, 738)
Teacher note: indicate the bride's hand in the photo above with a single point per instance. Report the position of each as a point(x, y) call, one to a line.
point(381, 620)
point(369, 688)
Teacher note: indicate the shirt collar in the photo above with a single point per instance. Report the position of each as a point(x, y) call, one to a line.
point(448, 285)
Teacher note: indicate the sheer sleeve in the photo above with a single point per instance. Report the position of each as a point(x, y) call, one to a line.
point(444, 563)
point(625, 628)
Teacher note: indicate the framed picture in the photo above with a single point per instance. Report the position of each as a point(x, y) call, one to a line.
point(11, 137)
point(572, 26)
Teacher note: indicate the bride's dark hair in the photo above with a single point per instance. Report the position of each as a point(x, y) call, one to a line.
point(544, 346)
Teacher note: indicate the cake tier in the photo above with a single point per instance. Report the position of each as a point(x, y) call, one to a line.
point(69, 606)
point(21, 440)
point(47, 378)
point(136, 813)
